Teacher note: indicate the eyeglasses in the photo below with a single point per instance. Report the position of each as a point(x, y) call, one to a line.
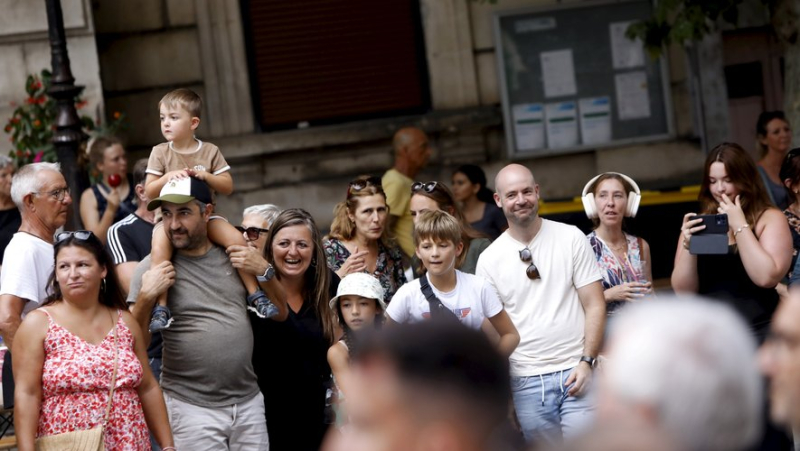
point(253, 233)
point(359, 184)
point(59, 194)
point(82, 235)
point(427, 186)
point(532, 271)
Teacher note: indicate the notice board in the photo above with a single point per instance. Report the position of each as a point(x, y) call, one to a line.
point(571, 81)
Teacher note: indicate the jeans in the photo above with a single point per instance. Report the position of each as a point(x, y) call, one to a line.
point(544, 410)
point(155, 367)
point(237, 427)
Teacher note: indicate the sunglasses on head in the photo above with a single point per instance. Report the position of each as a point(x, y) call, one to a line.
point(532, 271)
point(427, 186)
point(82, 235)
point(793, 153)
point(253, 233)
point(359, 184)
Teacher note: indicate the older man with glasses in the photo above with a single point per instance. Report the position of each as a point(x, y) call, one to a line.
point(548, 280)
point(42, 196)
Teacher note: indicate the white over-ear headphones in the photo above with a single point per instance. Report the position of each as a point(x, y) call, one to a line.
point(634, 197)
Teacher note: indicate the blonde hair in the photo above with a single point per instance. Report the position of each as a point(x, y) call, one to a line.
point(342, 228)
point(437, 225)
point(184, 98)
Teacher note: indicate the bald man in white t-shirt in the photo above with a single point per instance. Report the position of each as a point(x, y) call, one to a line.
point(549, 283)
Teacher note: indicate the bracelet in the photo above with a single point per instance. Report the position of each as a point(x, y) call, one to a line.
point(169, 448)
point(685, 244)
point(739, 230)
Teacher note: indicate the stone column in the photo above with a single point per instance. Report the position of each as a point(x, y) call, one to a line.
point(224, 61)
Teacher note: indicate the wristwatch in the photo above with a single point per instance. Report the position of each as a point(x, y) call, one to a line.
point(269, 273)
point(590, 360)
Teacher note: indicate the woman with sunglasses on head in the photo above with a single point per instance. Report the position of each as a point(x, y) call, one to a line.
point(774, 139)
point(759, 242)
point(431, 196)
point(290, 357)
point(359, 241)
point(624, 259)
point(477, 201)
point(80, 361)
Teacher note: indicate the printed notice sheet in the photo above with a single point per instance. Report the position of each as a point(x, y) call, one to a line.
point(633, 101)
point(595, 114)
point(558, 73)
point(562, 124)
point(528, 126)
point(624, 52)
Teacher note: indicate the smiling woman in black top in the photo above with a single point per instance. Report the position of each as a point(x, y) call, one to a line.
point(290, 357)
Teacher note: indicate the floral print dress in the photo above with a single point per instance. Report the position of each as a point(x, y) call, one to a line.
point(75, 385)
point(614, 271)
point(388, 268)
point(794, 226)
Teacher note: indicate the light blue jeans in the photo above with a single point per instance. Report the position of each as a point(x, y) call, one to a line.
point(544, 410)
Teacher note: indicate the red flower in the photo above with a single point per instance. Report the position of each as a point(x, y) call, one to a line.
point(15, 120)
point(41, 99)
point(30, 100)
point(8, 128)
point(81, 104)
point(117, 114)
point(37, 123)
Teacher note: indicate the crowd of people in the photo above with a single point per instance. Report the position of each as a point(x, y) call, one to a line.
point(426, 318)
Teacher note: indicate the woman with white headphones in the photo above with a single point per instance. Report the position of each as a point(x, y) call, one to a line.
point(624, 259)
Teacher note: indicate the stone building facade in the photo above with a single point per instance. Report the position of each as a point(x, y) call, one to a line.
point(145, 48)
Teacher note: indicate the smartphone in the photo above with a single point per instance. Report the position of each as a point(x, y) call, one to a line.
point(715, 224)
point(713, 240)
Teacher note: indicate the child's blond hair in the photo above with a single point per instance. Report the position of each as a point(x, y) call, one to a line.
point(184, 98)
point(437, 225)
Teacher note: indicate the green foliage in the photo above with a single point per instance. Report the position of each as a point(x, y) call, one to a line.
point(682, 21)
point(32, 123)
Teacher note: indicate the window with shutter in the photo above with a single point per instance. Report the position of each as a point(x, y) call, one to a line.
point(329, 61)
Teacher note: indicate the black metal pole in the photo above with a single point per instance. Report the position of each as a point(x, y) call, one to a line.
point(68, 134)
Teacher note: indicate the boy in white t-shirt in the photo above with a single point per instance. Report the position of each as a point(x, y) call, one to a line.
point(437, 237)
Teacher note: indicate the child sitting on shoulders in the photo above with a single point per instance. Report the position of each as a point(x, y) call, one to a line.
point(359, 306)
point(450, 293)
point(183, 156)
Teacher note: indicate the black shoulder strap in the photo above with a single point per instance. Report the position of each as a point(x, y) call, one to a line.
point(438, 310)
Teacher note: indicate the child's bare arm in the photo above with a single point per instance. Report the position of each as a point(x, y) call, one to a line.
point(221, 183)
point(154, 183)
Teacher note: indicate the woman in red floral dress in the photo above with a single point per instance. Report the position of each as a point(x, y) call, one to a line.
point(64, 356)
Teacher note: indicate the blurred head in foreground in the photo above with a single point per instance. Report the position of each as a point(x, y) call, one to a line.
point(779, 359)
point(429, 385)
point(687, 367)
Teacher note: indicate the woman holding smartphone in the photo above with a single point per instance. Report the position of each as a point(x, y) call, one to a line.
point(759, 241)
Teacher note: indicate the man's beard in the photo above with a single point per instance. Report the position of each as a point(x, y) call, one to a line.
point(526, 220)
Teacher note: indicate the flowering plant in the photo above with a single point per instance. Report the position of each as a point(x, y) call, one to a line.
point(32, 123)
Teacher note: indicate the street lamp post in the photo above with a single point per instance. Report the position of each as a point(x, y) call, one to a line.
point(68, 134)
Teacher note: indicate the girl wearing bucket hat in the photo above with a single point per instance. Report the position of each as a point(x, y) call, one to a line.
point(359, 306)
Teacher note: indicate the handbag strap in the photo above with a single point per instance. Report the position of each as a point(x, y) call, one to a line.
point(438, 310)
point(114, 374)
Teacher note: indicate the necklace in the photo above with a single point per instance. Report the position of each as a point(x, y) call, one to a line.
point(619, 248)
